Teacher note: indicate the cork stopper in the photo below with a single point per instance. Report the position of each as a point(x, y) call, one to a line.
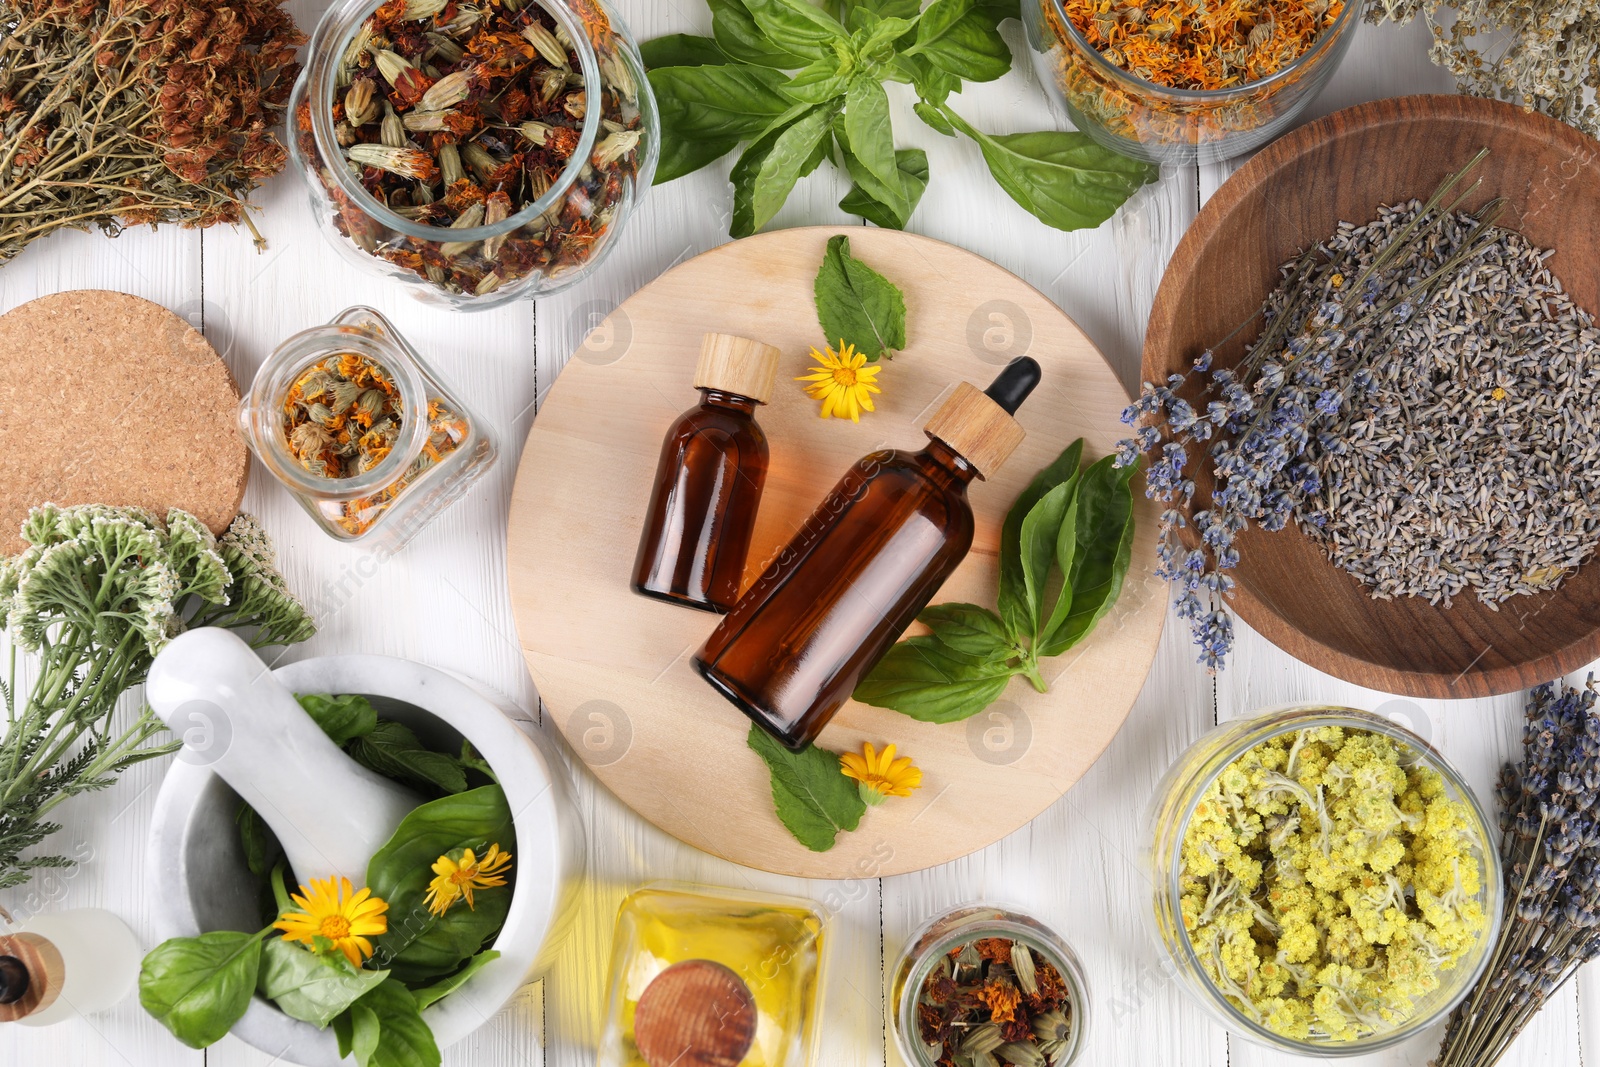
point(695, 1014)
point(737, 365)
point(31, 975)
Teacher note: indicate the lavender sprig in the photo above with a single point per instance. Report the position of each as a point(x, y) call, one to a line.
point(1284, 403)
point(1550, 845)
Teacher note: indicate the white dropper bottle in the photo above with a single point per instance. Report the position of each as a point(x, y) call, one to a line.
point(61, 965)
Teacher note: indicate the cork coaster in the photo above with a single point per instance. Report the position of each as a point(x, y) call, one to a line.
point(110, 399)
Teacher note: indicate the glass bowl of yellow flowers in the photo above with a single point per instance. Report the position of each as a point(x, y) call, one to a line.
point(1324, 881)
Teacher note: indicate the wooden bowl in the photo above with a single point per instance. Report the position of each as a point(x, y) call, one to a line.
point(1286, 199)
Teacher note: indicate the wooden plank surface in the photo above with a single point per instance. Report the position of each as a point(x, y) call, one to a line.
point(444, 600)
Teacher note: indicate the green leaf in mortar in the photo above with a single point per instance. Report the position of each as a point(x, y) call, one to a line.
point(312, 988)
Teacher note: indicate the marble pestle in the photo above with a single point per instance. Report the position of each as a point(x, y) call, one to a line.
point(330, 813)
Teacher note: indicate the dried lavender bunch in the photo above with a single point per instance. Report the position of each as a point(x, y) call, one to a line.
point(1550, 846)
point(1282, 405)
point(119, 113)
point(1542, 54)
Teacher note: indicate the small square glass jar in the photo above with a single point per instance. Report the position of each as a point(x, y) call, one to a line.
point(772, 945)
point(441, 450)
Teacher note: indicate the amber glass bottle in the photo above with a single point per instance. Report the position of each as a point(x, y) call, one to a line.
point(709, 480)
point(867, 561)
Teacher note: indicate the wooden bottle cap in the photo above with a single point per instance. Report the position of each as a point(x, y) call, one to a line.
point(46, 971)
point(737, 365)
point(977, 427)
point(695, 1014)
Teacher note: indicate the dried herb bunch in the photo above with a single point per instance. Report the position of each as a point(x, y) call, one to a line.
point(995, 1002)
point(125, 112)
point(1542, 54)
point(459, 115)
point(1551, 851)
point(98, 592)
point(1262, 426)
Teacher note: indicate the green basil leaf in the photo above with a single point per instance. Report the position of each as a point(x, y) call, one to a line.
point(814, 799)
point(738, 35)
point(819, 82)
point(797, 26)
point(344, 1033)
point(430, 995)
point(970, 632)
point(257, 839)
point(314, 989)
point(869, 129)
point(419, 945)
point(1065, 180)
point(890, 9)
point(681, 50)
point(342, 718)
point(366, 1032)
point(933, 117)
point(962, 41)
point(390, 1030)
point(1104, 534)
point(876, 36)
point(682, 155)
point(1066, 550)
point(767, 172)
point(198, 987)
point(879, 205)
point(858, 306)
point(1014, 610)
point(393, 751)
point(920, 678)
point(1041, 528)
point(731, 102)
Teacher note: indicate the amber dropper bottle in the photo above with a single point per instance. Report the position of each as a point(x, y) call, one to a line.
point(708, 483)
point(867, 561)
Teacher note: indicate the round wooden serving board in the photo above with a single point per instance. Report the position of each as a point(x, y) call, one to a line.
point(613, 668)
point(110, 399)
point(1294, 194)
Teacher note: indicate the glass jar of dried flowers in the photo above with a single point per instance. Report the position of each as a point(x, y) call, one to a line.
point(1324, 881)
point(1184, 82)
point(985, 983)
point(362, 432)
point(480, 152)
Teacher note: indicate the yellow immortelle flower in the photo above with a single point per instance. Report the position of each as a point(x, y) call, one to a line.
point(331, 908)
point(843, 382)
point(458, 874)
point(881, 776)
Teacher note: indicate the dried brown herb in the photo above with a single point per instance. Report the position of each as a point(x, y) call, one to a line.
point(995, 1002)
point(459, 115)
point(119, 113)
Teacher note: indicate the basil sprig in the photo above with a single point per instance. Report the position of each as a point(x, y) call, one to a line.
point(1064, 552)
point(796, 84)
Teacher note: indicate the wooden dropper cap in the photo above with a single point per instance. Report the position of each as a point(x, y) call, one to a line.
point(979, 425)
point(737, 365)
point(31, 975)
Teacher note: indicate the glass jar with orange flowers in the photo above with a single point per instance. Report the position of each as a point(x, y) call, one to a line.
point(362, 431)
point(1185, 81)
point(479, 152)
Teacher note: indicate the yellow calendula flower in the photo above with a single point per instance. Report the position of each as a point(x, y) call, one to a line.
point(843, 382)
point(880, 776)
point(456, 875)
point(331, 908)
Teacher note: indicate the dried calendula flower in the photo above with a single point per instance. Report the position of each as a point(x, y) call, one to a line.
point(994, 1001)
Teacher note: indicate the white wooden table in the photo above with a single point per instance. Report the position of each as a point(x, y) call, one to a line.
point(443, 601)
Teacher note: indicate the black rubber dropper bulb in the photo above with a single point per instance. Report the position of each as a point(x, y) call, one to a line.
point(14, 980)
point(1015, 383)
